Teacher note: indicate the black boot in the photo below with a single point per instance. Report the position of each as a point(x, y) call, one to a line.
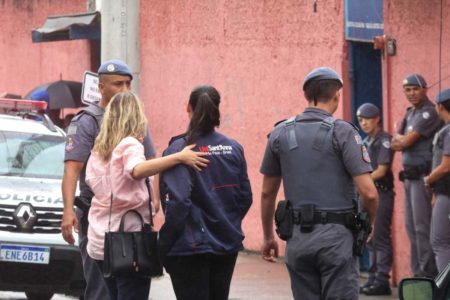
point(378, 289)
point(364, 287)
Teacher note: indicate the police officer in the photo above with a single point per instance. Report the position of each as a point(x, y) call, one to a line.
point(319, 159)
point(114, 77)
point(439, 180)
point(378, 143)
point(414, 139)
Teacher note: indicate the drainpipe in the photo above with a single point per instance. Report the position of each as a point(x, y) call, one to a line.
point(121, 35)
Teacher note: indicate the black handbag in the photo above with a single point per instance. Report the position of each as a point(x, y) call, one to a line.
point(132, 253)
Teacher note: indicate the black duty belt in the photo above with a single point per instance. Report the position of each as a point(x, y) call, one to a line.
point(324, 217)
point(414, 172)
point(442, 186)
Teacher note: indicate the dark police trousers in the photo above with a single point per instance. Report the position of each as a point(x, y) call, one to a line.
point(440, 230)
point(201, 276)
point(96, 288)
point(321, 263)
point(380, 245)
point(418, 219)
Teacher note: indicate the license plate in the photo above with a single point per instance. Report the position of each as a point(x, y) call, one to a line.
point(24, 254)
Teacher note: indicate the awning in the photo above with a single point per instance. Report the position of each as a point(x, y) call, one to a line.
point(69, 27)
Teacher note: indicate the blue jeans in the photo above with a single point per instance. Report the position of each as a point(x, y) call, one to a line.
point(202, 276)
point(127, 288)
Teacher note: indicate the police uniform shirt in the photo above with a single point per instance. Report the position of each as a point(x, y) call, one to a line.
point(446, 144)
point(80, 140)
point(423, 120)
point(443, 141)
point(346, 141)
point(442, 147)
point(379, 148)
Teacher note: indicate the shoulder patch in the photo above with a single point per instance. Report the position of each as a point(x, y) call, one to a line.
point(69, 144)
point(177, 137)
point(386, 144)
point(365, 154)
point(425, 115)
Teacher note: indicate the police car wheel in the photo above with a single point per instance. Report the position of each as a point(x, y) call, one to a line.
point(39, 295)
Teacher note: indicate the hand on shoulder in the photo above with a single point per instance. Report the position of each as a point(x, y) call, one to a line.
point(192, 158)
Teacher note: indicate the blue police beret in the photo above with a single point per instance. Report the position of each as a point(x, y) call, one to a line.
point(322, 73)
point(368, 110)
point(443, 96)
point(415, 79)
point(115, 67)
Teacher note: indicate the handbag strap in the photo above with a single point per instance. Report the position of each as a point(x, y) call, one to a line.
point(110, 209)
point(147, 184)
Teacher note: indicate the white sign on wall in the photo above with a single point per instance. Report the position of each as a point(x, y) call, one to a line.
point(90, 93)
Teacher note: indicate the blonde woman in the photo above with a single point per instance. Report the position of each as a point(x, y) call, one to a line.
point(116, 171)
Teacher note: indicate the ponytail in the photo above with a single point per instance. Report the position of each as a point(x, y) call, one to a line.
point(204, 102)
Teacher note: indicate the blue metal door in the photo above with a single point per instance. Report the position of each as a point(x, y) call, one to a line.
point(365, 76)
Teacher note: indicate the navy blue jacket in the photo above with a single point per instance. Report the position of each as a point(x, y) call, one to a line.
point(204, 210)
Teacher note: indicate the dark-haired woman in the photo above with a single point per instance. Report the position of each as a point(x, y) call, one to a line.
point(202, 233)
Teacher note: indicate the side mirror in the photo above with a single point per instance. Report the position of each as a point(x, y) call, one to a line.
point(416, 289)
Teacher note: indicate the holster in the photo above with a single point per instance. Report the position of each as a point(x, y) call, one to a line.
point(284, 220)
point(361, 230)
point(83, 203)
point(386, 183)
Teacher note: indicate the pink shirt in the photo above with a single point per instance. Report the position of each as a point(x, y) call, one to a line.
point(128, 193)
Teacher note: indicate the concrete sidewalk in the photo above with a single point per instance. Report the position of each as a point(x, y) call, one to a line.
point(253, 279)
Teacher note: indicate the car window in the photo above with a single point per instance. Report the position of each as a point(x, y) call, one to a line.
point(31, 155)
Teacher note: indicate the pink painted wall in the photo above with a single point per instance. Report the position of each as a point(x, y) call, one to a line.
point(415, 25)
point(24, 64)
point(255, 52)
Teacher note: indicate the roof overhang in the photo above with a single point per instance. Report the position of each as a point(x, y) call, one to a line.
point(69, 27)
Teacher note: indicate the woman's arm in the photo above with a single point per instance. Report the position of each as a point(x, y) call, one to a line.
point(157, 165)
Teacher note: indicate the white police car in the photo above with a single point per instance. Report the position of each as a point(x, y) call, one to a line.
point(34, 258)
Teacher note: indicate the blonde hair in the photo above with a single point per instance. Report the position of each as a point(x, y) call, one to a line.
point(124, 116)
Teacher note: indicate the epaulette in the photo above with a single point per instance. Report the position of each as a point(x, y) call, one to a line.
point(177, 137)
point(275, 125)
point(353, 125)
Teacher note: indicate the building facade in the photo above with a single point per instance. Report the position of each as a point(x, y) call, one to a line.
point(256, 53)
